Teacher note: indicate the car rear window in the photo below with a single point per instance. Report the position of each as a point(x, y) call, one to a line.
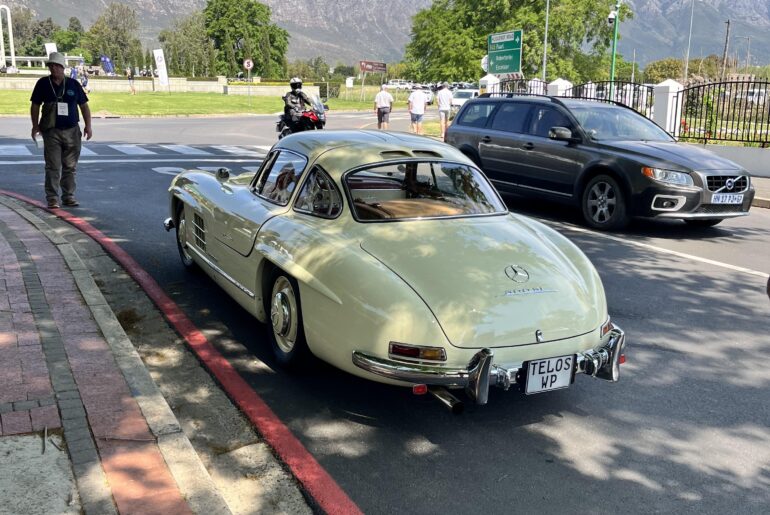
point(510, 117)
point(476, 115)
point(420, 190)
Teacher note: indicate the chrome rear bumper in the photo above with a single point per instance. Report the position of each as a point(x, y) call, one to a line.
point(481, 373)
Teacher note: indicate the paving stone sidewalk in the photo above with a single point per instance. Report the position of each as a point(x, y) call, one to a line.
point(60, 376)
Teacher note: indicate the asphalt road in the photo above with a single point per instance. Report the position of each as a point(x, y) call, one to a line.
point(686, 429)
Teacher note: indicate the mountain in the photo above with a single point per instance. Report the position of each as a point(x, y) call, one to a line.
point(351, 30)
point(660, 29)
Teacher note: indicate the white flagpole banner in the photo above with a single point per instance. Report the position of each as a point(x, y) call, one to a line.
point(160, 64)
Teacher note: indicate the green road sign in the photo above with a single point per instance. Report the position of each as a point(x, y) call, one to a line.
point(504, 51)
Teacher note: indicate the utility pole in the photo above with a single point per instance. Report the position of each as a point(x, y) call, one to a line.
point(724, 55)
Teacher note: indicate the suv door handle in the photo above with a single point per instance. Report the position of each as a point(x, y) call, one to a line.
point(486, 139)
point(528, 145)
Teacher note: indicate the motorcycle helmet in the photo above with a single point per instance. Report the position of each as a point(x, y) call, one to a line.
point(295, 83)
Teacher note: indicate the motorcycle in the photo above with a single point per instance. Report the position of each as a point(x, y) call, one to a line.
point(313, 118)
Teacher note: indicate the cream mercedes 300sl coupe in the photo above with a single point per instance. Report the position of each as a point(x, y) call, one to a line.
point(392, 257)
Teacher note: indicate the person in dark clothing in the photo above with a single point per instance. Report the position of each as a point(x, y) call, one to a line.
point(294, 102)
point(60, 127)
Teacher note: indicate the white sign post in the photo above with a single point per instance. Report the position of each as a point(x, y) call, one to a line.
point(160, 64)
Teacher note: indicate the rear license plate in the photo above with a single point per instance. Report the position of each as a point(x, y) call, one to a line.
point(727, 198)
point(545, 375)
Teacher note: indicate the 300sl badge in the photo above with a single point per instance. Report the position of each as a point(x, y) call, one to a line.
point(526, 291)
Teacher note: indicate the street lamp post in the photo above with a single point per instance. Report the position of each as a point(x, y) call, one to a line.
point(689, 39)
point(748, 50)
point(545, 38)
point(614, 15)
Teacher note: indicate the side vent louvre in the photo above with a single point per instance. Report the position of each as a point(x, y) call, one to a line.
point(390, 154)
point(200, 232)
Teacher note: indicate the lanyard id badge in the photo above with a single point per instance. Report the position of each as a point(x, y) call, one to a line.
point(62, 109)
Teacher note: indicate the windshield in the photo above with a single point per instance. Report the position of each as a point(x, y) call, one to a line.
point(608, 123)
point(427, 189)
point(316, 102)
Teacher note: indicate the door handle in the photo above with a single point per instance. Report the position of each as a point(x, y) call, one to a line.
point(528, 145)
point(486, 139)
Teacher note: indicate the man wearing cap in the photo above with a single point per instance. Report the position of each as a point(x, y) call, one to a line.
point(60, 129)
point(383, 103)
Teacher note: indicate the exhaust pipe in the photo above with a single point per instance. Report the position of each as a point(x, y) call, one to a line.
point(454, 404)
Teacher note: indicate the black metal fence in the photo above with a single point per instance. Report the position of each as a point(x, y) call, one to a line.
point(530, 87)
point(634, 95)
point(726, 111)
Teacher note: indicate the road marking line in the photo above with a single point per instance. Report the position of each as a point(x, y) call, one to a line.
point(132, 150)
point(662, 250)
point(168, 170)
point(184, 149)
point(222, 159)
point(14, 150)
point(231, 149)
point(86, 151)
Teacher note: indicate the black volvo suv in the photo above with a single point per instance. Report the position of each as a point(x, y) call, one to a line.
point(605, 158)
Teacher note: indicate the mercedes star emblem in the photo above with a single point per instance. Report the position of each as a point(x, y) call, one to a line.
point(517, 274)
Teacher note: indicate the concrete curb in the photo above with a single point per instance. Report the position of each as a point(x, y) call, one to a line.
point(191, 476)
point(761, 202)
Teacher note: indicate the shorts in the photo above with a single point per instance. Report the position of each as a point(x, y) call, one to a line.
point(443, 114)
point(383, 114)
point(416, 118)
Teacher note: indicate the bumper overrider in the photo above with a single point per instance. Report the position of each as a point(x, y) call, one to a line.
point(482, 373)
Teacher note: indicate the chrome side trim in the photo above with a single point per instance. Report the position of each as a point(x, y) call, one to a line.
point(552, 192)
point(220, 271)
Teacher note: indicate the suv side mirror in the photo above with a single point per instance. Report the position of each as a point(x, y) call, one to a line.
point(562, 134)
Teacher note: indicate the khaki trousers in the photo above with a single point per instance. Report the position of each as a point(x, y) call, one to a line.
point(61, 149)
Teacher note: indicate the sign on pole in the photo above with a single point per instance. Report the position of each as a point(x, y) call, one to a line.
point(373, 67)
point(504, 51)
point(248, 64)
point(160, 64)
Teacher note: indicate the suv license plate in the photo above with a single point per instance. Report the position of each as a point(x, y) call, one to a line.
point(544, 375)
point(727, 198)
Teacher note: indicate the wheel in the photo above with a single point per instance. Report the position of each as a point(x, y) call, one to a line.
point(604, 206)
point(703, 223)
point(181, 240)
point(287, 336)
point(284, 132)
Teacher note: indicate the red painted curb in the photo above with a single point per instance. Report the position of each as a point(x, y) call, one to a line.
point(313, 477)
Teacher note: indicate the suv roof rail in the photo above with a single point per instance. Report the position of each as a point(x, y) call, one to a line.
point(556, 100)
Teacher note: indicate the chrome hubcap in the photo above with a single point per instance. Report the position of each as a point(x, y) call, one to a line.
point(181, 235)
point(283, 314)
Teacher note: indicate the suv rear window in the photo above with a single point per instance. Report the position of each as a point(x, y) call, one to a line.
point(510, 117)
point(476, 115)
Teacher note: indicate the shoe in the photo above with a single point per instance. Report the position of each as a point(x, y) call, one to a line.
point(53, 204)
point(71, 203)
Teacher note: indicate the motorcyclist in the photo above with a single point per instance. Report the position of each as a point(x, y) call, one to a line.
point(295, 101)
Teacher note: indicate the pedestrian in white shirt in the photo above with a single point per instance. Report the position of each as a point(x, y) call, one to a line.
point(417, 102)
point(383, 104)
point(444, 101)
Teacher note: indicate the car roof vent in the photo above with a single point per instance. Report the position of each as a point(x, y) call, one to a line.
point(425, 153)
point(390, 154)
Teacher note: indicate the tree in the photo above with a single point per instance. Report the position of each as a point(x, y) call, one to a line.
point(75, 25)
point(658, 71)
point(241, 29)
point(187, 48)
point(114, 34)
point(30, 35)
point(450, 37)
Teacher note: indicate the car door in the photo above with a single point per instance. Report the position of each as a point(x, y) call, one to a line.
point(501, 145)
point(549, 165)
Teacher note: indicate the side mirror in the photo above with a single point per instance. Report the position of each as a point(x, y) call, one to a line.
point(562, 134)
point(326, 107)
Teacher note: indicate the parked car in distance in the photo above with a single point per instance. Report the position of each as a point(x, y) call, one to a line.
point(392, 257)
point(460, 96)
point(605, 158)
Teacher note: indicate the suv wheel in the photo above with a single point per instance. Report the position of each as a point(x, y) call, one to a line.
point(603, 203)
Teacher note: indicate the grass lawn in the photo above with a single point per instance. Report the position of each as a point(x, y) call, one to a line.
point(176, 104)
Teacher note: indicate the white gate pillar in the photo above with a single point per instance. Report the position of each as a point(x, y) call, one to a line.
point(666, 111)
point(10, 36)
